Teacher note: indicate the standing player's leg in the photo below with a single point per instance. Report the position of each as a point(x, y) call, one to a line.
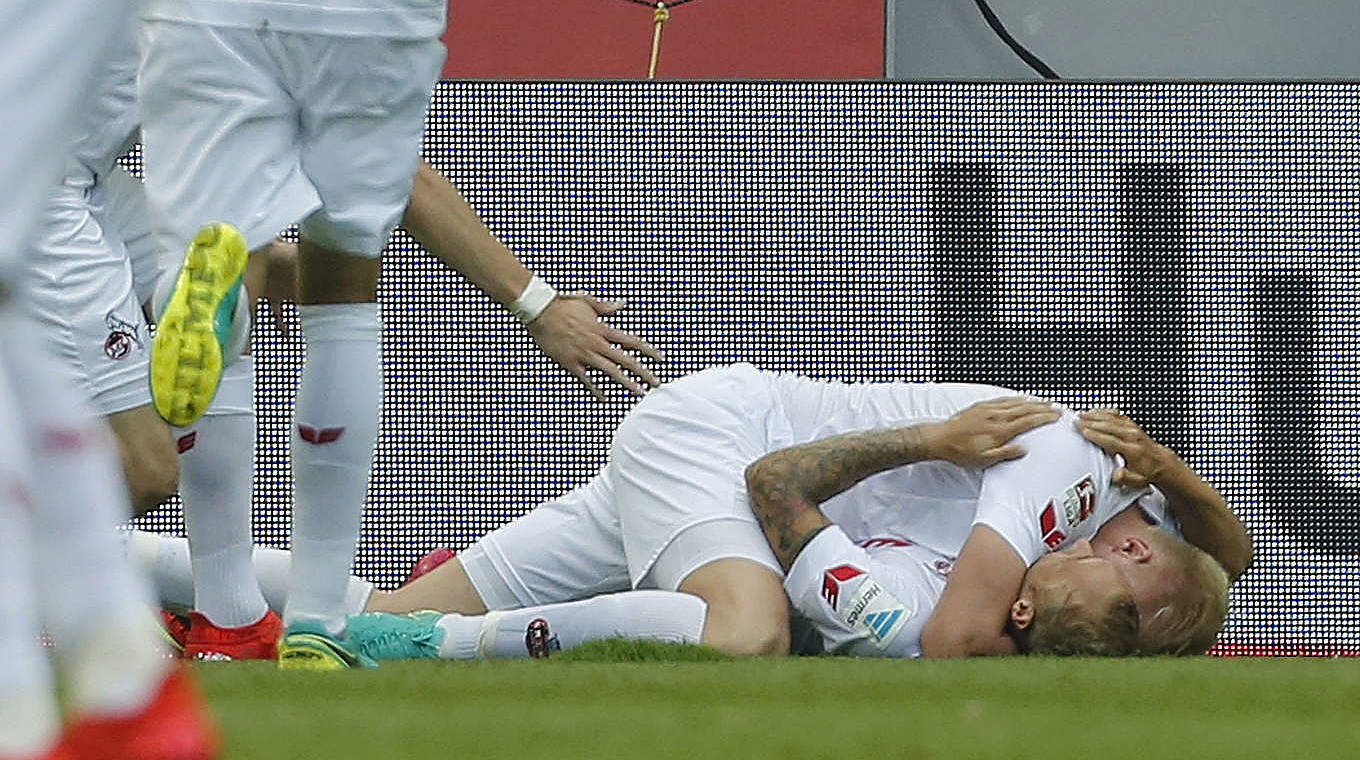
point(363, 114)
point(338, 403)
point(223, 176)
point(214, 459)
point(127, 699)
point(231, 619)
point(221, 145)
point(59, 44)
point(30, 721)
point(83, 298)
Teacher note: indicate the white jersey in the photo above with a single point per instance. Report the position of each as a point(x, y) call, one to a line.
point(868, 585)
point(51, 51)
point(1038, 503)
point(394, 19)
point(873, 598)
point(107, 122)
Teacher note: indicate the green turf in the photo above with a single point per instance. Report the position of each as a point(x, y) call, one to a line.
point(656, 703)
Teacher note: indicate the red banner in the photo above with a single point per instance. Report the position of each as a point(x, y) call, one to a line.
point(703, 39)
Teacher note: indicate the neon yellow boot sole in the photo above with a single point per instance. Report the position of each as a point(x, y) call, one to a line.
point(194, 328)
point(312, 651)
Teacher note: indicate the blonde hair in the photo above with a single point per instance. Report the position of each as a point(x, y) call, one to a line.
point(1190, 621)
point(1067, 630)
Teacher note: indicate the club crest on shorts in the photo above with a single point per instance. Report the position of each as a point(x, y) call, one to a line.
point(832, 580)
point(122, 337)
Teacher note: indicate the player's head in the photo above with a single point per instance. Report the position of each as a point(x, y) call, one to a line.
point(1074, 603)
point(1181, 592)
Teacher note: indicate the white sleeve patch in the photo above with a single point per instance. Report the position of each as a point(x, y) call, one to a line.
point(876, 612)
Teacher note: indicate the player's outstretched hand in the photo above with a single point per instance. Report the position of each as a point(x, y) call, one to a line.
point(272, 277)
point(571, 332)
point(1145, 460)
point(980, 436)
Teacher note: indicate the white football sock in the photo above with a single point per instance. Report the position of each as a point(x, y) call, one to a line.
point(216, 474)
point(652, 615)
point(338, 403)
point(29, 719)
point(93, 603)
point(166, 558)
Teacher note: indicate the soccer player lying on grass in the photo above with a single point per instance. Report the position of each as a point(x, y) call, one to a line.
point(702, 465)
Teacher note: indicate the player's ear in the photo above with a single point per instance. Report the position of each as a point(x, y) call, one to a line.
point(1136, 548)
point(1022, 613)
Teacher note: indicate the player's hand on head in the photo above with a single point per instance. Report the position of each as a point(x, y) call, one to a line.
point(572, 333)
point(982, 434)
point(1144, 459)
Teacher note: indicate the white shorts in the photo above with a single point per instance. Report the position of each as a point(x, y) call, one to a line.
point(671, 499)
point(677, 468)
point(565, 549)
point(82, 290)
point(264, 129)
point(125, 210)
point(52, 50)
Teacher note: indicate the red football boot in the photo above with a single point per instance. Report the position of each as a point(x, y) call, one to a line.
point(429, 562)
point(62, 751)
point(174, 726)
point(175, 630)
point(258, 641)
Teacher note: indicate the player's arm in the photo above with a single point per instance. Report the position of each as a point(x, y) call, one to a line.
point(568, 329)
point(787, 487)
point(862, 602)
point(971, 617)
point(1202, 512)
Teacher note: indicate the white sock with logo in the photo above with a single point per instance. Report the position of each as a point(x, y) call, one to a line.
point(338, 403)
point(669, 616)
point(216, 474)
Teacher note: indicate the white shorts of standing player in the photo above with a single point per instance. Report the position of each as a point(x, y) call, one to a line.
point(93, 267)
point(334, 149)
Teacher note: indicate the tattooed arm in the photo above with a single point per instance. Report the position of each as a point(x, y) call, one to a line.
point(787, 487)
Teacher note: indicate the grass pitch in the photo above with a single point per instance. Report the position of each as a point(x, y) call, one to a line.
point(620, 701)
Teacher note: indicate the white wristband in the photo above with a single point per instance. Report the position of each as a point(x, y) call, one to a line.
point(535, 298)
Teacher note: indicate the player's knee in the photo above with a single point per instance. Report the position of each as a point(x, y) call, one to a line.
point(748, 611)
point(746, 635)
point(764, 637)
point(151, 480)
point(149, 455)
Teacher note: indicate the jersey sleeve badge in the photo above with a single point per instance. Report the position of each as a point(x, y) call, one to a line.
point(870, 609)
